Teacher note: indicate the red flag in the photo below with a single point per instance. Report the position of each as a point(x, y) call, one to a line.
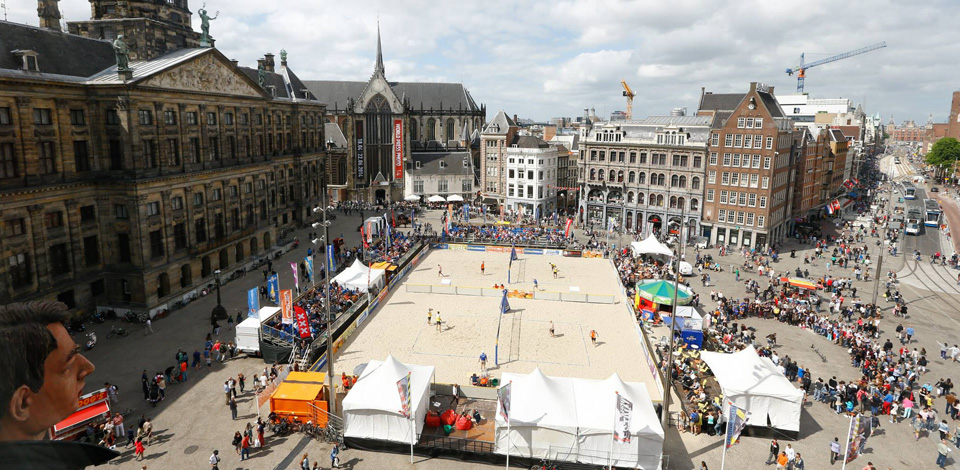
point(303, 323)
point(363, 236)
point(566, 232)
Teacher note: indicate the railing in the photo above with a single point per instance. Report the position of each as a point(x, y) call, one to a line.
point(475, 241)
point(332, 420)
point(457, 444)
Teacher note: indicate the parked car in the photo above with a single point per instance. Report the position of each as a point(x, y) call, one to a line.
point(912, 229)
point(934, 190)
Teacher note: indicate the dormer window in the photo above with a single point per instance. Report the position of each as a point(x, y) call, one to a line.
point(29, 59)
point(443, 164)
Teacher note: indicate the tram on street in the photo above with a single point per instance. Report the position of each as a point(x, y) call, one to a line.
point(931, 213)
point(909, 190)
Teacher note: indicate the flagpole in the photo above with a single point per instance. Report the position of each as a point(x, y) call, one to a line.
point(846, 446)
point(413, 435)
point(613, 432)
point(726, 435)
point(508, 443)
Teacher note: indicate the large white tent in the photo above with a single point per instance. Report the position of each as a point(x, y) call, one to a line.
point(358, 275)
point(573, 420)
point(650, 246)
point(755, 384)
point(371, 410)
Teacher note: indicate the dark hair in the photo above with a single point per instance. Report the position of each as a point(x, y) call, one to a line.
point(25, 343)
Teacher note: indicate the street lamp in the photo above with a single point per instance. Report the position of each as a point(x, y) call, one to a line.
point(219, 312)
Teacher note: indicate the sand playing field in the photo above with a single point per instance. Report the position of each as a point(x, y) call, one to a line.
point(470, 323)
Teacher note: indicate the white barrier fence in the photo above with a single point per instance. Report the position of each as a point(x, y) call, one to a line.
point(491, 292)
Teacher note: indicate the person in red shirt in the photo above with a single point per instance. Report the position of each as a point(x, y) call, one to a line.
point(245, 448)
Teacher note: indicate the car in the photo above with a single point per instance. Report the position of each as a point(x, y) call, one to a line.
point(912, 229)
point(934, 190)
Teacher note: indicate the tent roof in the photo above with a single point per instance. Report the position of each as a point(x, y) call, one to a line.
point(596, 404)
point(376, 389)
point(650, 246)
point(538, 400)
point(356, 275)
point(745, 372)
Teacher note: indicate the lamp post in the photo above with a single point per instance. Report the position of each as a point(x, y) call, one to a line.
point(218, 312)
point(668, 388)
point(326, 262)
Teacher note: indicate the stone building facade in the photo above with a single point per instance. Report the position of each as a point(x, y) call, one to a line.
point(532, 168)
point(495, 138)
point(644, 176)
point(149, 27)
point(126, 193)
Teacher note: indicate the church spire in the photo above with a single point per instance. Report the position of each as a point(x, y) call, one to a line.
point(378, 69)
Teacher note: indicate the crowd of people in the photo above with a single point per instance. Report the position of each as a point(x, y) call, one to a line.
point(509, 235)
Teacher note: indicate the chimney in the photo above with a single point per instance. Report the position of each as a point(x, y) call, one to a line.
point(515, 119)
point(49, 13)
point(770, 89)
point(268, 63)
point(753, 86)
point(235, 62)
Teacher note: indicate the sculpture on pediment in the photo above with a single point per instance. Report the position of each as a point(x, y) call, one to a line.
point(205, 20)
point(123, 54)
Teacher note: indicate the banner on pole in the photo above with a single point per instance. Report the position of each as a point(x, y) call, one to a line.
point(331, 260)
point(736, 421)
point(296, 278)
point(303, 323)
point(273, 288)
point(503, 395)
point(403, 387)
point(309, 261)
point(286, 307)
point(504, 305)
point(253, 303)
point(621, 426)
point(566, 230)
point(856, 437)
point(397, 149)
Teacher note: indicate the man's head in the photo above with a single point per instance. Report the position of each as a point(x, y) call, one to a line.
point(42, 373)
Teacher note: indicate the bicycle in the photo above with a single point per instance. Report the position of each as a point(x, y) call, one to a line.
point(115, 331)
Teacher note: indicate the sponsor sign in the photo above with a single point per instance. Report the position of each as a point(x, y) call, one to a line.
point(397, 149)
point(359, 149)
point(286, 307)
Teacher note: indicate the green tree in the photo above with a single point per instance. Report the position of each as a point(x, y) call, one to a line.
point(945, 153)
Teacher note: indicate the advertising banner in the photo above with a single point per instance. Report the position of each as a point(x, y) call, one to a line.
point(624, 412)
point(253, 303)
point(397, 149)
point(403, 387)
point(359, 149)
point(503, 394)
point(286, 307)
point(303, 323)
point(273, 288)
point(736, 421)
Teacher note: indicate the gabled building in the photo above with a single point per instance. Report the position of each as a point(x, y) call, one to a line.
point(749, 168)
point(496, 136)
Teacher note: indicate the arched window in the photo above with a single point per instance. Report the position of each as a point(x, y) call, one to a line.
point(414, 134)
point(630, 197)
point(163, 285)
point(632, 177)
point(451, 126)
point(613, 176)
point(673, 202)
point(640, 199)
point(695, 183)
point(600, 175)
point(342, 170)
point(642, 178)
point(431, 129)
point(674, 181)
point(683, 181)
point(593, 173)
point(662, 179)
point(253, 246)
point(680, 202)
point(620, 176)
point(186, 275)
point(659, 200)
point(694, 204)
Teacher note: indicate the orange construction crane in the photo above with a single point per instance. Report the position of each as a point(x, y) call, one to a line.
point(629, 94)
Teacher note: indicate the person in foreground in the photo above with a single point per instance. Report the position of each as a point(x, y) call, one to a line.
point(41, 377)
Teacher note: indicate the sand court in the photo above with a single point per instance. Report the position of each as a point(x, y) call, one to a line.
point(470, 322)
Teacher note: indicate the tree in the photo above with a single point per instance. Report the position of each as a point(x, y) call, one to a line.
point(945, 152)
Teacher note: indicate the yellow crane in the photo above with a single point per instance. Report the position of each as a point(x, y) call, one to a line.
point(629, 94)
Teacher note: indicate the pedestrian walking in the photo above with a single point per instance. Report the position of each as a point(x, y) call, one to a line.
point(834, 450)
point(148, 327)
point(335, 456)
point(483, 265)
point(118, 424)
point(942, 450)
point(241, 380)
point(429, 316)
point(139, 449)
point(196, 359)
point(774, 452)
point(147, 431)
point(245, 448)
point(226, 391)
point(305, 462)
point(215, 460)
point(233, 387)
point(553, 333)
point(439, 271)
point(233, 408)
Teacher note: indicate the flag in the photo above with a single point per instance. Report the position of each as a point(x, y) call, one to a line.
point(363, 236)
point(303, 323)
point(484, 208)
point(309, 261)
point(503, 396)
point(273, 288)
point(403, 387)
point(386, 231)
point(536, 213)
point(286, 307)
point(736, 421)
point(504, 305)
point(253, 303)
point(836, 204)
point(855, 437)
point(296, 277)
point(513, 253)
point(449, 224)
point(636, 299)
point(331, 260)
point(566, 232)
point(621, 425)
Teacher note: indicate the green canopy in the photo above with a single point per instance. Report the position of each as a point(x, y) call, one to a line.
point(661, 292)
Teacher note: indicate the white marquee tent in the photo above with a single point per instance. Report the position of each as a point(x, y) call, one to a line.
point(356, 277)
point(371, 410)
point(573, 420)
point(755, 384)
point(650, 246)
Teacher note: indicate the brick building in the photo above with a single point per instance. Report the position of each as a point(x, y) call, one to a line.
point(748, 170)
point(496, 136)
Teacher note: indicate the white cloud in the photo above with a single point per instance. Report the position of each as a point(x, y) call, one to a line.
point(551, 58)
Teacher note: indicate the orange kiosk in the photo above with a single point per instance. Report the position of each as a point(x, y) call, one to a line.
point(297, 393)
point(92, 408)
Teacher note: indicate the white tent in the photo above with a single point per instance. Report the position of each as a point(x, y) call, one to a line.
point(454, 198)
point(755, 384)
point(650, 246)
point(411, 197)
point(371, 410)
point(573, 420)
point(436, 198)
point(355, 277)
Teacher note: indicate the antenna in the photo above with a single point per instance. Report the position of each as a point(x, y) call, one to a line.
point(3, 4)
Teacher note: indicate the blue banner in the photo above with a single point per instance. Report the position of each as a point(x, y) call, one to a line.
point(504, 305)
point(309, 261)
point(331, 261)
point(253, 302)
point(273, 288)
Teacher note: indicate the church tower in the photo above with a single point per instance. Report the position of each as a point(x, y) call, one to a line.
point(150, 28)
point(49, 13)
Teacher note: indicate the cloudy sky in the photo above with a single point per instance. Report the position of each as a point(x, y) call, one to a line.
point(540, 59)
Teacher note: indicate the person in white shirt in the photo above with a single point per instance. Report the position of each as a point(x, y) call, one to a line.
point(791, 454)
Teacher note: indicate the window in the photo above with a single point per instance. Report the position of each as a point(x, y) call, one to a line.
point(763, 202)
point(15, 227)
point(77, 117)
point(197, 199)
point(466, 185)
point(442, 186)
point(192, 118)
point(738, 140)
point(214, 149)
point(145, 117)
point(758, 123)
point(736, 159)
point(633, 157)
point(749, 123)
point(713, 158)
point(742, 199)
point(758, 142)
point(510, 190)
point(169, 117)
point(81, 155)
point(53, 219)
point(48, 159)
point(18, 270)
point(88, 214)
point(41, 116)
point(750, 219)
point(748, 139)
point(153, 208)
point(739, 217)
point(710, 194)
point(418, 186)
point(59, 259)
point(715, 139)
point(91, 250)
point(723, 196)
point(766, 163)
point(697, 161)
point(603, 156)
point(200, 229)
point(217, 194)
point(195, 148)
point(727, 158)
point(752, 201)
point(769, 143)
point(756, 161)
point(113, 118)
point(765, 182)
point(695, 183)
point(530, 175)
point(721, 215)
point(745, 162)
point(741, 121)
point(754, 179)
point(121, 211)
point(228, 119)
point(728, 140)
point(156, 244)
point(150, 159)
point(760, 220)
point(234, 191)
point(176, 203)
point(211, 119)
point(5, 117)
point(711, 177)
point(540, 192)
point(734, 179)
point(173, 152)
point(743, 179)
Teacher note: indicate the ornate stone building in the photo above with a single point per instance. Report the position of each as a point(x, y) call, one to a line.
point(128, 191)
point(381, 119)
point(150, 27)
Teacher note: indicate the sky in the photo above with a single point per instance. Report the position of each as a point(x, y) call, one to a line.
point(542, 59)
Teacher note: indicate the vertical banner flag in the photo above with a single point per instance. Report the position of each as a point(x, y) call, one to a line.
point(466, 212)
point(309, 261)
point(253, 303)
point(397, 149)
point(449, 217)
point(621, 425)
point(519, 213)
point(830, 209)
point(273, 288)
point(503, 395)
point(513, 253)
point(386, 228)
point(403, 387)
point(331, 260)
point(303, 323)
point(296, 277)
point(736, 421)
point(504, 305)
point(363, 236)
point(566, 230)
point(359, 149)
point(536, 214)
point(484, 208)
point(854, 437)
point(286, 307)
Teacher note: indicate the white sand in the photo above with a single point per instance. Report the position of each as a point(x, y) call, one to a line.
point(470, 323)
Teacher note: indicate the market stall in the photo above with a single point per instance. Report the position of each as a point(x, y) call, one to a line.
point(301, 395)
point(92, 408)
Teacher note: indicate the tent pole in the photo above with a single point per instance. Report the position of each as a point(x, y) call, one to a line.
point(508, 443)
point(846, 445)
point(413, 436)
point(613, 435)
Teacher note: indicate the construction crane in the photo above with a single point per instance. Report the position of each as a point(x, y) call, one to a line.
point(801, 69)
point(629, 94)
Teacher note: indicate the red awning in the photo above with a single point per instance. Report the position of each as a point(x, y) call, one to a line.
point(81, 416)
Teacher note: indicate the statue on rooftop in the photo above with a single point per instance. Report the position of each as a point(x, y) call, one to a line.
point(262, 75)
point(122, 52)
point(205, 20)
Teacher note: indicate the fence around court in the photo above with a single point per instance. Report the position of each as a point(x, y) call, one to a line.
point(491, 292)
